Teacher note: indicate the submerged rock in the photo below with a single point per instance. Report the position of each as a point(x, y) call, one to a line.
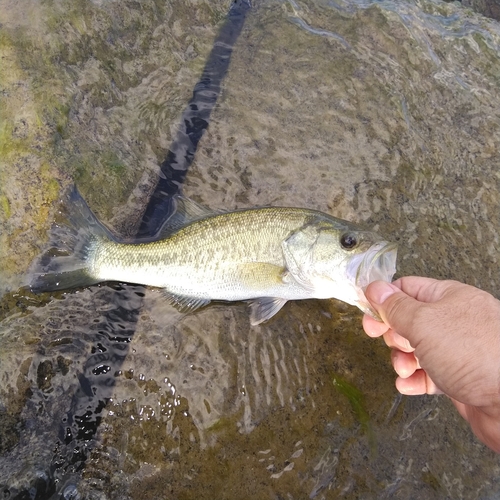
point(386, 115)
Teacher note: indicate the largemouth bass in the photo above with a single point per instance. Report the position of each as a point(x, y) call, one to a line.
point(266, 256)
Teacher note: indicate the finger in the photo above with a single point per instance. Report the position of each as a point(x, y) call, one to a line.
point(432, 388)
point(418, 363)
point(422, 289)
point(404, 363)
point(417, 384)
point(396, 309)
point(396, 341)
point(372, 327)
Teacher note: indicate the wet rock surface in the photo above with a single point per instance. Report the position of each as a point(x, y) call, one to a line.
point(489, 8)
point(385, 115)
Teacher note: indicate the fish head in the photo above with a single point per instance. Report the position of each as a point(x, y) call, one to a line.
point(378, 262)
point(338, 260)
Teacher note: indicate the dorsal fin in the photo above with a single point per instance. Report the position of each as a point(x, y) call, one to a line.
point(186, 211)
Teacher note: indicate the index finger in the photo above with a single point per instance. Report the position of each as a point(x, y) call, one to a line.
point(420, 288)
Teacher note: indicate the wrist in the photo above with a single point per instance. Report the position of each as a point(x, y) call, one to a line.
point(485, 423)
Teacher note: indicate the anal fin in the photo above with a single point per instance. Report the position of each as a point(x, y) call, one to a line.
point(184, 303)
point(264, 308)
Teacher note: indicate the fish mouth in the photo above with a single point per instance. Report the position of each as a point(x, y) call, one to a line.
point(377, 263)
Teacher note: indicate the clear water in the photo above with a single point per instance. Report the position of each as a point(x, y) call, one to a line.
point(383, 113)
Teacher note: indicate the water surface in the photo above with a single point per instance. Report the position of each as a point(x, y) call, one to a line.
point(383, 113)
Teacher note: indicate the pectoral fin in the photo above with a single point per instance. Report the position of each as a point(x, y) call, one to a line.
point(297, 252)
point(264, 308)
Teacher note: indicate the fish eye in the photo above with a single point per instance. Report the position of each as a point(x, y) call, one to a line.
point(348, 241)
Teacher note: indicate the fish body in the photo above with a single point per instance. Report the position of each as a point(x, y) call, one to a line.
point(264, 255)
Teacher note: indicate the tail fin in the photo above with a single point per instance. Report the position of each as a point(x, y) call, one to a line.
point(67, 262)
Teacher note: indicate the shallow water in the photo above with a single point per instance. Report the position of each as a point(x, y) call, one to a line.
point(383, 113)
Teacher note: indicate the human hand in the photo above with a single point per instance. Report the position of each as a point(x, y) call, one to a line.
point(445, 338)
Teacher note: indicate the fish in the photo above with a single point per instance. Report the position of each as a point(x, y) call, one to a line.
point(265, 256)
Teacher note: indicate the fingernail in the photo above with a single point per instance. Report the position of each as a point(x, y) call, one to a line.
point(379, 291)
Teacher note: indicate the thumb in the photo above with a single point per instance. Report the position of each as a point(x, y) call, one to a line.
point(396, 308)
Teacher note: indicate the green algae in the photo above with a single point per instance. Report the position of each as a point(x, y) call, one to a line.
point(355, 398)
point(4, 203)
point(359, 408)
point(9, 145)
point(43, 71)
point(25, 176)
